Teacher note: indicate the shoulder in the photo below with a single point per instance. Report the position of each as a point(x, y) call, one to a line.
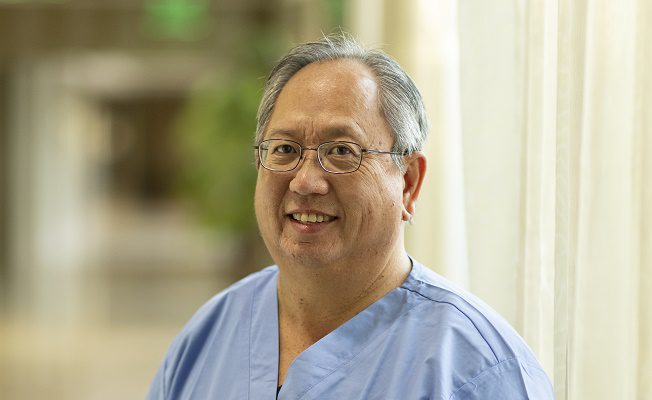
point(234, 300)
point(226, 316)
point(484, 352)
point(446, 302)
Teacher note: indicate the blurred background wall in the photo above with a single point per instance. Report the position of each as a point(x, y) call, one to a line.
point(126, 179)
point(126, 174)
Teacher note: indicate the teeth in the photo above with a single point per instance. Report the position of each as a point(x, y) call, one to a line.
point(303, 217)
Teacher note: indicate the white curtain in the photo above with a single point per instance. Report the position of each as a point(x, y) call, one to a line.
point(610, 131)
point(539, 195)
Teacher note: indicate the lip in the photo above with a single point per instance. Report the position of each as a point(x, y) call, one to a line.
point(312, 227)
point(309, 211)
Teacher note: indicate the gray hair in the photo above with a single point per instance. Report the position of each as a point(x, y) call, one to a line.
point(400, 100)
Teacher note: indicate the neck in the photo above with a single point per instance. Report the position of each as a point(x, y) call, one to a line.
point(318, 300)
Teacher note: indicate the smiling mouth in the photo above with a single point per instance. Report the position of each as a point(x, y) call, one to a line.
point(306, 218)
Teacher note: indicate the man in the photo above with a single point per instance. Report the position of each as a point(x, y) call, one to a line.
point(345, 313)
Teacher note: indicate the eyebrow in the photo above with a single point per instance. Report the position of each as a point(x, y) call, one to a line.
point(284, 132)
point(344, 130)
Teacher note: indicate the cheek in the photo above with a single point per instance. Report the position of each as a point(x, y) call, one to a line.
point(379, 201)
point(266, 200)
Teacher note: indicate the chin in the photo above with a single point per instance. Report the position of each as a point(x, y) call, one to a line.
point(308, 255)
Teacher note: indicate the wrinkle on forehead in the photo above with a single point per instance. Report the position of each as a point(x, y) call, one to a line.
point(329, 97)
point(333, 76)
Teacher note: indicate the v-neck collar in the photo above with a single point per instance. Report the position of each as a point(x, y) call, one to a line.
point(328, 354)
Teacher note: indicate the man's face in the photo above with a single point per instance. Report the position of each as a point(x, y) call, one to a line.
point(361, 211)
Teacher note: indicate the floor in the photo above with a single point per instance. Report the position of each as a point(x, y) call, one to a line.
point(109, 356)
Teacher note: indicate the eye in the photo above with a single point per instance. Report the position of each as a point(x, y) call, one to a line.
point(340, 150)
point(284, 148)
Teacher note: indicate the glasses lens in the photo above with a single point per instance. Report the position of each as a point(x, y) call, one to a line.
point(279, 155)
point(340, 157)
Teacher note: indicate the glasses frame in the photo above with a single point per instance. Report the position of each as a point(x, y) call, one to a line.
point(302, 150)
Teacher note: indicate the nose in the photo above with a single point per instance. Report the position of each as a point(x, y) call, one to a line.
point(310, 176)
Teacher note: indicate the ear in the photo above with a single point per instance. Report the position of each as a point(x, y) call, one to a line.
point(412, 180)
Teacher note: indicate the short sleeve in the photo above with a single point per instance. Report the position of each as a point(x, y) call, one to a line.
point(509, 380)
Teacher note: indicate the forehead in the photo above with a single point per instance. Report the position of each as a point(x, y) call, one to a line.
point(328, 98)
point(336, 77)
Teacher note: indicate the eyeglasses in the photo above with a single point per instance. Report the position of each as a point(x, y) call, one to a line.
point(283, 155)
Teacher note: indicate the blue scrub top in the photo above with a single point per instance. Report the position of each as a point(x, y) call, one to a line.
point(426, 339)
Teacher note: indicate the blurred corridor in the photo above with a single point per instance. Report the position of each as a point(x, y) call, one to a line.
point(118, 217)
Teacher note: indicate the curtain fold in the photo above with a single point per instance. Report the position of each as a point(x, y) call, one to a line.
point(643, 129)
point(586, 103)
point(571, 29)
point(538, 222)
point(605, 319)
